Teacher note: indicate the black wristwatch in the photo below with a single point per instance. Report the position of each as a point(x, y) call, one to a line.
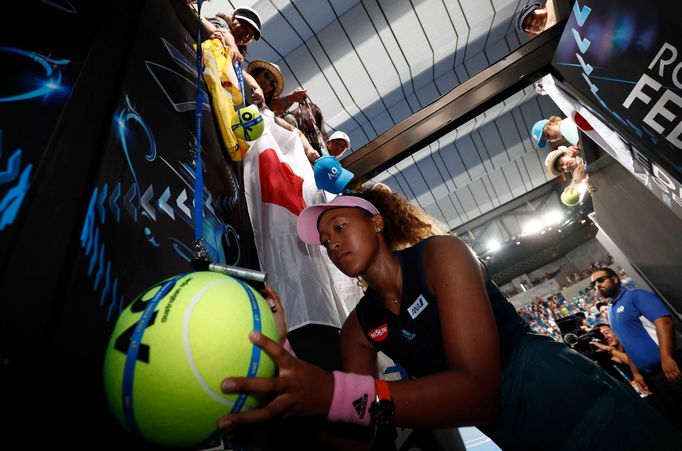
point(382, 408)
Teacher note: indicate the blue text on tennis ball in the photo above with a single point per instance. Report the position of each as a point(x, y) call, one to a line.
point(248, 124)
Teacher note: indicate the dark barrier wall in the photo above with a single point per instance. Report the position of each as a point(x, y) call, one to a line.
point(642, 227)
point(96, 192)
point(621, 60)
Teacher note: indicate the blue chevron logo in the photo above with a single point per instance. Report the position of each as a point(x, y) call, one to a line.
point(407, 335)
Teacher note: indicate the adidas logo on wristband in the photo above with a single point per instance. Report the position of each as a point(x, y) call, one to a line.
point(360, 406)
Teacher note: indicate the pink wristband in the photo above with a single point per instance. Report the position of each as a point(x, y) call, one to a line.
point(286, 345)
point(352, 396)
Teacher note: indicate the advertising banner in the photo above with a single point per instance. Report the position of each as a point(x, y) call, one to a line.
point(659, 181)
point(622, 59)
point(38, 76)
point(98, 157)
point(139, 224)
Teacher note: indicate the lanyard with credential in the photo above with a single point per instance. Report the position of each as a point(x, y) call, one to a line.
point(201, 261)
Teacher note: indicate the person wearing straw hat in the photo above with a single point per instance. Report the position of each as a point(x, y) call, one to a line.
point(568, 160)
point(267, 83)
point(270, 79)
point(564, 159)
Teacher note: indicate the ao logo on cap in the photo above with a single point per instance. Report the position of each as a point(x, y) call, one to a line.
point(330, 175)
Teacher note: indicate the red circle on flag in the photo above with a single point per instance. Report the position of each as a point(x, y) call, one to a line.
point(581, 122)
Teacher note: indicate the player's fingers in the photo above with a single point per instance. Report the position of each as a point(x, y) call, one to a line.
point(275, 409)
point(249, 384)
point(280, 355)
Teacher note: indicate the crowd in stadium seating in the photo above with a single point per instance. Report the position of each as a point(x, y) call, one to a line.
point(543, 313)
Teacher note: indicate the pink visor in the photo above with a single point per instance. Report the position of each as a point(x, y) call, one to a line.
point(306, 225)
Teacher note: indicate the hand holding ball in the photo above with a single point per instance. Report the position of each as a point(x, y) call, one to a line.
point(171, 349)
point(570, 197)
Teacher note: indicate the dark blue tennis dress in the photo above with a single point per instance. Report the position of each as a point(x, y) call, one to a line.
point(551, 397)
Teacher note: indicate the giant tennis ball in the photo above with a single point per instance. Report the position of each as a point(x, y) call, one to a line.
point(172, 347)
point(248, 124)
point(570, 197)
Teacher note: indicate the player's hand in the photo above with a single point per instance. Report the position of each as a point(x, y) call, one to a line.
point(299, 389)
point(275, 304)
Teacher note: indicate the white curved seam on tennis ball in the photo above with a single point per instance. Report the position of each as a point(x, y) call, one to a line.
point(188, 351)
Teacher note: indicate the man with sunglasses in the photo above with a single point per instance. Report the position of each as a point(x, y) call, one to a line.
point(643, 324)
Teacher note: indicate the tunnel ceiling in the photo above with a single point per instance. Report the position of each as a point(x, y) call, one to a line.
point(370, 65)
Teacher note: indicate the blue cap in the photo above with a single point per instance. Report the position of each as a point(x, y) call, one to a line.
point(536, 132)
point(330, 175)
point(569, 131)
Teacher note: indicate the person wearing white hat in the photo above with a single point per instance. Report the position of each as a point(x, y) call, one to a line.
point(338, 144)
point(235, 31)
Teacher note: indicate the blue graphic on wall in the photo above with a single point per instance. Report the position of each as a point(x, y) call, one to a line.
point(61, 5)
point(146, 205)
point(95, 248)
point(126, 115)
point(28, 84)
point(38, 85)
point(13, 197)
point(174, 85)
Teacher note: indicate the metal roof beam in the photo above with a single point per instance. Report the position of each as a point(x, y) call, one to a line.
point(476, 95)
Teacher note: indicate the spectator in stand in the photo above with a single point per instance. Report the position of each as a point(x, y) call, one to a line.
point(536, 17)
point(270, 79)
point(555, 131)
point(603, 308)
point(338, 144)
point(643, 324)
point(568, 159)
point(235, 31)
point(627, 281)
point(310, 121)
point(267, 82)
point(617, 364)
